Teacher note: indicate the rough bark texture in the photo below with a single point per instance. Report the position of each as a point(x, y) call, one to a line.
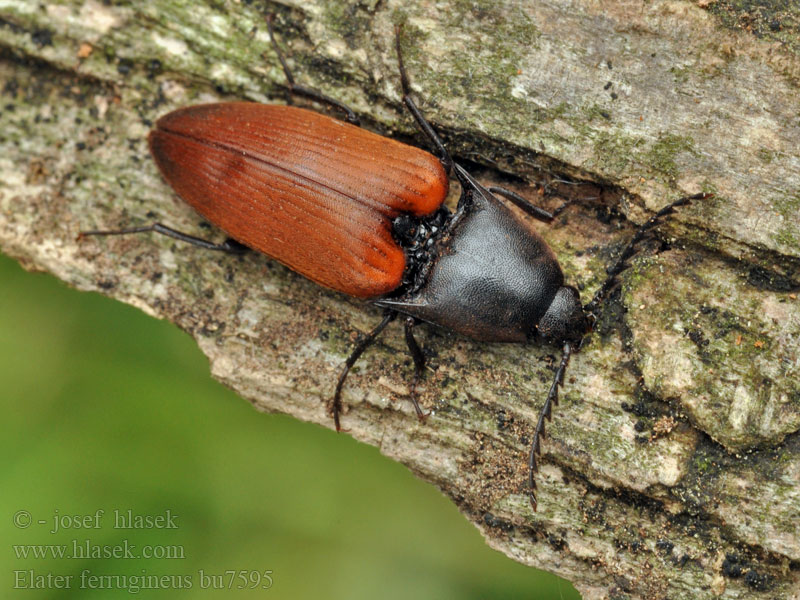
point(673, 466)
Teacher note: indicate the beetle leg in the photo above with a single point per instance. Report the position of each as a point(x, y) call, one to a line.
point(545, 415)
point(230, 245)
point(444, 155)
point(302, 90)
point(357, 351)
point(524, 204)
point(419, 363)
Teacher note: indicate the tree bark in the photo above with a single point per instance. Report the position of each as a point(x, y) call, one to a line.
point(672, 468)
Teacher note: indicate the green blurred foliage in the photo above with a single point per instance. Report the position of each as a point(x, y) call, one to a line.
point(107, 409)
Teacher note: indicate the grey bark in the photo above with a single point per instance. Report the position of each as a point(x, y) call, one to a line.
point(673, 465)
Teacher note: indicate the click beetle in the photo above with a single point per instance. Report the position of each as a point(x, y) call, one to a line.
point(364, 215)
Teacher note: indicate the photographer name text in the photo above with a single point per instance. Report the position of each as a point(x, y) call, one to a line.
point(118, 519)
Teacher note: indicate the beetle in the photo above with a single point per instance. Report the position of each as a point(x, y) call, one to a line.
point(364, 215)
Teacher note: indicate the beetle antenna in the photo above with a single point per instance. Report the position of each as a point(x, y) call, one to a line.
point(613, 271)
point(628, 251)
point(545, 415)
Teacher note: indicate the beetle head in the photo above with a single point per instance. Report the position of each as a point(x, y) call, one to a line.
point(565, 319)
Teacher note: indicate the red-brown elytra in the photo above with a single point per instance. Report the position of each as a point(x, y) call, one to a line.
point(364, 215)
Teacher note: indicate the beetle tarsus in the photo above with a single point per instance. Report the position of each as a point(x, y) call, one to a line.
point(302, 90)
point(545, 415)
point(419, 364)
point(525, 204)
point(357, 351)
point(444, 155)
point(559, 209)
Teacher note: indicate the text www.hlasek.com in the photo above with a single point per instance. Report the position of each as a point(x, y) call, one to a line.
point(85, 549)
